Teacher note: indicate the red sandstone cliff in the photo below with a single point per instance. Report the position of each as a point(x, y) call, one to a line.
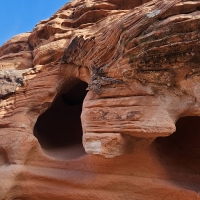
point(130, 69)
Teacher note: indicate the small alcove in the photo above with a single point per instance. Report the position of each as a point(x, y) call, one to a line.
point(59, 129)
point(180, 152)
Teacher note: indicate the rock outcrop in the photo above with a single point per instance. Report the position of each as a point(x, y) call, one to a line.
point(130, 69)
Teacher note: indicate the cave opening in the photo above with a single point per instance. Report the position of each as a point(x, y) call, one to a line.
point(59, 129)
point(180, 152)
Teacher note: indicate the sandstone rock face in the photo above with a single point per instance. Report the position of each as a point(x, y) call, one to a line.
point(102, 101)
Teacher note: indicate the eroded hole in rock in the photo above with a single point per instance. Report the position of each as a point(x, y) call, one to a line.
point(59, 129)
point(180, 152)
point(3, 157)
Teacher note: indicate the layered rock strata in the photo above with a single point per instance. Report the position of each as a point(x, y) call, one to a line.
point(130, 69)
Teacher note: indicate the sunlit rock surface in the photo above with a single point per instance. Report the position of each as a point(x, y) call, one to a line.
point(102, 101)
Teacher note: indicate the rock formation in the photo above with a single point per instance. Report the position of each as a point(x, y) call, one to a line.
point(130, 69)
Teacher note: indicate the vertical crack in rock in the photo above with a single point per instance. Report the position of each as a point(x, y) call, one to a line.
point(99, 79)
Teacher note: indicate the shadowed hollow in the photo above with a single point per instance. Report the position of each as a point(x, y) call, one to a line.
point(59, 129)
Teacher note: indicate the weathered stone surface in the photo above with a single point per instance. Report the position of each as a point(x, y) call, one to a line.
point(139, 61)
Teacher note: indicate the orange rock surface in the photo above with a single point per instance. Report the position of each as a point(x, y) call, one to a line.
point(102, 101)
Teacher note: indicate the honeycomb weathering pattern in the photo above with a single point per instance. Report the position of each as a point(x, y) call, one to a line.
point(141, 62)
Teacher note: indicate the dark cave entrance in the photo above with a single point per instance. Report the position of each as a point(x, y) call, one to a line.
point(180, 152)
point(59, 129)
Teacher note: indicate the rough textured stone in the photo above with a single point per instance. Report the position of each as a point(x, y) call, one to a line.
point(139, 62)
